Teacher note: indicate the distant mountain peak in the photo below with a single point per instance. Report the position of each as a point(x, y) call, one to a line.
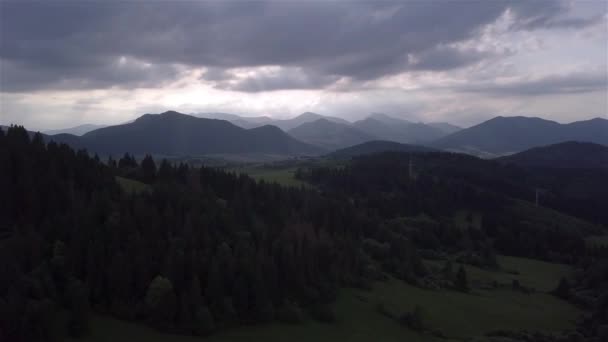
point(387, 118)
point(308, 115)
point(175, 134)
point(171, 113)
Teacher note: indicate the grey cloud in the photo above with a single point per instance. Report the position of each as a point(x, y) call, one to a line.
point(17, 76)
point(283, 79)
point(76, 44)
point(445, 58)
point(553, 14)
point(573, 83)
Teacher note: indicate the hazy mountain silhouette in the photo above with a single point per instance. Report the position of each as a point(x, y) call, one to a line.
point(241, 121)
point(397, 130)
point(173, 133)
point(445, 127)
point(329, 134)
point(288, 124)
point(503, 135)
point(77, 130)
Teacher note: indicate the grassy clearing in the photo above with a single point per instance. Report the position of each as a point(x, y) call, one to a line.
point(131, 186)
point(457, 315)
point(539, 275)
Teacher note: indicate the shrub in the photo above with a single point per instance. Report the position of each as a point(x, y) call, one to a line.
point(413, 320)
point(290, 313)
point(204, 321)
point(323, 313)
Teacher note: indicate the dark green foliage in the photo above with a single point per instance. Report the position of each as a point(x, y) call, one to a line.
point(515, 285)
point(78, 303)
point(161, 302)
point(204, 323)
point(229, 250)
point(148, 169)
point(290, 313)
point(204, 249)
point(323, 313)
point(563, 289)
point(461, 282)
point(413, 320)
point(448, 271)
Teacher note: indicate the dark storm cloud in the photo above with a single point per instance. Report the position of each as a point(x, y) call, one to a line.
point(80, 44)
point(573, 83)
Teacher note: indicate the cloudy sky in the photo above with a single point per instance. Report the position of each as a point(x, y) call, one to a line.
point(64, 63)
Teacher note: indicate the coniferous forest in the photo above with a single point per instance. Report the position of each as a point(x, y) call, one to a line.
point(201, 250)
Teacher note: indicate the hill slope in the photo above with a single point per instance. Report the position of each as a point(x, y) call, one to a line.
point(503, 135)
point(172, 133)
point(328, 134)
point(241, 121)
point(398, 130)
point(377, 146)
point(570, 154)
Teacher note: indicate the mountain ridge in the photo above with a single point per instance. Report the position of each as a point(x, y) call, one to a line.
point(505, 135)
point(173, 133)
point(329, 134)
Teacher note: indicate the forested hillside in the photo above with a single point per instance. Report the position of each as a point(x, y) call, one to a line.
point(197, 251)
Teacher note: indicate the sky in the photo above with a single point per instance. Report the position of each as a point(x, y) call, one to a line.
point(66, 63)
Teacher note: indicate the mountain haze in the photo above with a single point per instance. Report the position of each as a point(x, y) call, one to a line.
point(241, 121)
point(397, 130)
point(77, 130)
point(329, 134)
point(288, 124)
point(445, 127)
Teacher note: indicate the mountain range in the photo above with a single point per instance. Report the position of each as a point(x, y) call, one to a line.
point(506, 135)
point(77, 130)
point(376, 126)
point(329, 134)
point(173, 133)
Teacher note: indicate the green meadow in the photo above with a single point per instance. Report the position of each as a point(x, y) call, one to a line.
point(456, 315)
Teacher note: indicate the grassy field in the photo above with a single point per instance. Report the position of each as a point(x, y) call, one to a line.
point(456, 315)
point(539, 275)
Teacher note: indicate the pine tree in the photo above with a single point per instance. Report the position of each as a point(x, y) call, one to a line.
point(461, 282)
